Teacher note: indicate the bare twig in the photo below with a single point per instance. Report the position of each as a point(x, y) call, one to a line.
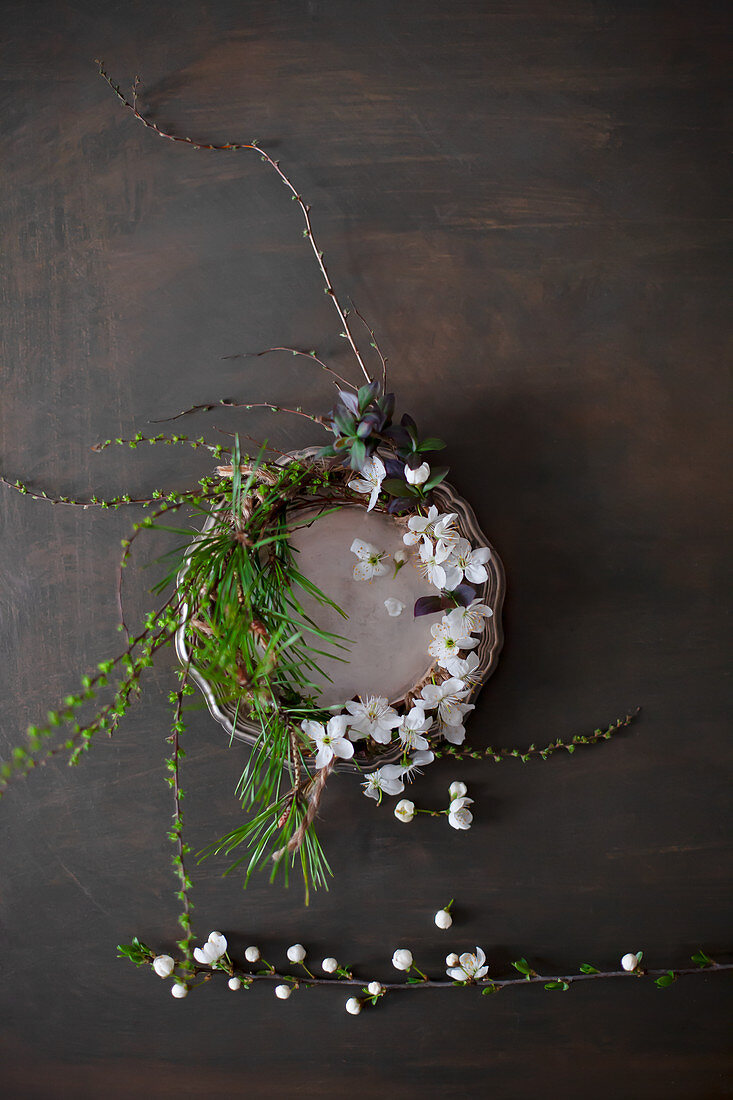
point(225, 403)
point(274, 164)
point(293, 351)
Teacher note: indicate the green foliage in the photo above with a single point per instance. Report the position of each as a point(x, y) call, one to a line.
point(666, 980)
point(702, 959)
point(524, 968)
point(558, 983)
point(586, 968)
point(136, 952)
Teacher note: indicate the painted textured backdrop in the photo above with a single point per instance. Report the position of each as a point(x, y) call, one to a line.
point(527, 200)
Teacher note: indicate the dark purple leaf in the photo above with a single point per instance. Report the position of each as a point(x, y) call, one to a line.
point(398, 505)
point(350, 401)
point(464, 594)
point(429, 605)
point(394, 467)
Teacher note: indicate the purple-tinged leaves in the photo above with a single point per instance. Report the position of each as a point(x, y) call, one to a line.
point(398, 505)
point(350, 401)
point(394, 468)
point(430, 605)
point(464, 594)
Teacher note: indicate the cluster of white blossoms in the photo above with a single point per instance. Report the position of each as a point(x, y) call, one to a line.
point(445, 559)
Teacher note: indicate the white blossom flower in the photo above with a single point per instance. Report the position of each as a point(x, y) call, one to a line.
point(444, 531)
point(373, 718)
point(386, 780)
point(456, 732)
point(402, 959)
point(371, 560)
point(234, 983)
point(459, 816)
point(471, 563)
point(283, 991)
point(417, 761)
point(331, 741)
point(252, 954)
point(443, 919)
point(418, 476)
point(353, 1006)
point(179, 990)
point(404, 810)
point(464, 668)
point(329, 965)
point(394, 607)
point(212, 950)
point(631, 961)
point(163, 965)
point(452, 959)
point(375, 988)
point(457, 789)
point(372, 476)
point(436, 566)
point(419, 526)
point(296, 953)
point(470, 967)
point(414, 725)
point(219, 941)
point(446, 696)
point(471, 619)
point(448, 640)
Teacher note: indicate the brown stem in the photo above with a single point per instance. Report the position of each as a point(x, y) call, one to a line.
point(274, 164)
point(502, 983)
point(314, 801)
point(293, 351)
point(548, 750)
point(226, 404)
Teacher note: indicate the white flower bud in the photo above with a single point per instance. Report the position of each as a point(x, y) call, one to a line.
point(234, 983)
point(402, 959)
point(394, 607)
point(404, 810)
point(443, 919)
point(179, 991)
point(283, 991)
point(452, 959)
point(296, 953)
point(418, 476)
point(330, 965)
point(163, 965)
point(457, 789)
point(252, 954)
point(400, 556)
point(218, 941)
point(353, 1006)
point(629, 962)
point(375, 988)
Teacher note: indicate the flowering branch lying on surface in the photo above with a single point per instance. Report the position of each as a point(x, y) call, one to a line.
point(465, 971)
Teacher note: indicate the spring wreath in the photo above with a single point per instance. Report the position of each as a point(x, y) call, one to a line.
point(283, 662)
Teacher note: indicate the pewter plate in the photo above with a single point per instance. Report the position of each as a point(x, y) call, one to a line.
point(385, 655)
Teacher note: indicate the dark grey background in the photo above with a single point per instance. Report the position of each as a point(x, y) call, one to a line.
point(528, 201)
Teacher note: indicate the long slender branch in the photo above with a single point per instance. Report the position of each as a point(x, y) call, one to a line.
point(375, 345)
point(458, 753)
point(274, 164)
point(225, 403)
point(431, 983)
point(293, 351)
point(93, 502)
point(176, 832)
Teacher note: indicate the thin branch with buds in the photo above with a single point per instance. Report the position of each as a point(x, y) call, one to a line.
point(294, 351)
point(274, 164)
